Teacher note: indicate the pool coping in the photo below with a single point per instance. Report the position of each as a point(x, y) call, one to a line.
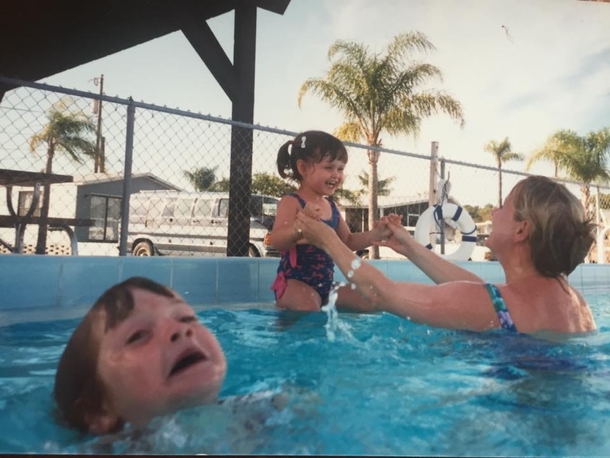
point(40, 288)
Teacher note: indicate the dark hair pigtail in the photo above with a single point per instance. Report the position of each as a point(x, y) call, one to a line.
point(284, 166)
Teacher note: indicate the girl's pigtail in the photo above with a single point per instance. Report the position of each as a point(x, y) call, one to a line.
point(284, 165)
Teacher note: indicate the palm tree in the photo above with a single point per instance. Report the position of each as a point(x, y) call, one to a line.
point(65, 133)
point(502, 152)
point(551, 152)
point(383, 185)
point(381, 92)
point(202, 178)
point(584, 159)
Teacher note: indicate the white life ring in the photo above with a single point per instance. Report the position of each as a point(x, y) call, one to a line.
point(429, 223)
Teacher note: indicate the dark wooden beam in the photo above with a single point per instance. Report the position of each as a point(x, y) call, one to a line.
point(240, 180)
point(203, 40)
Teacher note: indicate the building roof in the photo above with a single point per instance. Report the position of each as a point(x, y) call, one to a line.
point(85, 180)
point(387, 201)
point(42, 38)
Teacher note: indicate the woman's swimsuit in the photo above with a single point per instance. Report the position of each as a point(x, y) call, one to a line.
point(506, 322)
point(308, 263)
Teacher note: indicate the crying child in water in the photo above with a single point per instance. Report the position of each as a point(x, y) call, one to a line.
point(140, 353)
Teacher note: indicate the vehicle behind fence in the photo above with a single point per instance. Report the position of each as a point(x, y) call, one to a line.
point(185, 156)
point(190, 224)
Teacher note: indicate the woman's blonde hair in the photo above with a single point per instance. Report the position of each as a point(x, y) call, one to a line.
point(561, 234)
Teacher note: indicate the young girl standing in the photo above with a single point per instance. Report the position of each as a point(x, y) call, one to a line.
point(316, 161)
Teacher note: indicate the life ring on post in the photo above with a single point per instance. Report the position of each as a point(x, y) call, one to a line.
point(429, 224)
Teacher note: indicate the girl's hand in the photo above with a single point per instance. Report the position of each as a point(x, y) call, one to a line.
point(314, 231)
point(312, 210)
point(382, 231)
point(399, 236)
point(393, 218)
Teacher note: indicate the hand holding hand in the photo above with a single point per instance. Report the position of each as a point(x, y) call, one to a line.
point(312, 210)
point(382, 231)
point(398, 234)
point(313, 230)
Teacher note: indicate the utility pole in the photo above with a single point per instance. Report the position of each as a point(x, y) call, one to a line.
point(99, 155)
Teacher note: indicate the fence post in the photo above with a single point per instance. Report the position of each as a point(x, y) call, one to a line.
point(433, 170)
point(432, 184)
point(131, 115)
point(442, 223)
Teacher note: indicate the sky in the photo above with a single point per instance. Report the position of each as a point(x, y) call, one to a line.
point(522, 69)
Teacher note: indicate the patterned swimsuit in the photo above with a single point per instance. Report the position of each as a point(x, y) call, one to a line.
point(308, 263)
point(506, 321)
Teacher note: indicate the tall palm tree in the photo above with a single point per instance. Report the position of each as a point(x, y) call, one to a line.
point(381, 92)
point(202, 178)
point(584, 158)
point(64, 133)
point(502, 152)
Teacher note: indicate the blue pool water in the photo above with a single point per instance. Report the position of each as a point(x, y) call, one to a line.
point(383, 386)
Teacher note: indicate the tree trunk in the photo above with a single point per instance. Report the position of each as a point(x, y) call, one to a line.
point(499, 185)
point(373, 192)
point(41, 243)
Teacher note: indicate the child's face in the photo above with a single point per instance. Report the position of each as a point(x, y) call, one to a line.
point(326, 176)
point(158, 360)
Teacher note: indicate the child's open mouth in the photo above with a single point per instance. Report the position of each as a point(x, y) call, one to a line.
point(187, 360)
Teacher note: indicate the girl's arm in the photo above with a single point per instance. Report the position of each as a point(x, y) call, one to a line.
point(456, 305)
point(438, 269)
point(284, 235)
point(360, 240)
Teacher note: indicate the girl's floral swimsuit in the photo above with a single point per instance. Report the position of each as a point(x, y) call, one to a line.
point(307, 263)
point(506, 321)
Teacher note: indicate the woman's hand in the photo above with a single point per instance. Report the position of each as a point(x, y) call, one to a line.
point(314, 231)
point(381, 231)
point(398, 235)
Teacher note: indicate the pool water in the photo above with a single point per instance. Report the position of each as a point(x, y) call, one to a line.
point(382, 385)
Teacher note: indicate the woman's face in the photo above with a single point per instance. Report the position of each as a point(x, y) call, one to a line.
point(158, 360)
point(502, 224)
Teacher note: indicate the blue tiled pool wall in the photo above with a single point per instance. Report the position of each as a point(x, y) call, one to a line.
point(34, 282)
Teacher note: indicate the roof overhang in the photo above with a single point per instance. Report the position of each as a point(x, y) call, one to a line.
point(42, 38)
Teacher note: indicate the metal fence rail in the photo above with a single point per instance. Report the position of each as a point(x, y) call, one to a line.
point(163, 155)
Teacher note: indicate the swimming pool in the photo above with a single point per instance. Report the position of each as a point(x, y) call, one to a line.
point(383, 385)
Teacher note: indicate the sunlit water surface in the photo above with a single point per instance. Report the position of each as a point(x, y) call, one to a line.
point(369, 384)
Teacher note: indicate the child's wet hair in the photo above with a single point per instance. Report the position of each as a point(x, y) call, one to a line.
point(79, 392)
point(311, 146)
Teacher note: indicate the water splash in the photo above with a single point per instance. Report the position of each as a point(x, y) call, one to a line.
point(330, 308)
point(334, 323)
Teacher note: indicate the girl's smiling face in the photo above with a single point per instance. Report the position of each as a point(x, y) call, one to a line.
point(325, 176)
point(158, 360)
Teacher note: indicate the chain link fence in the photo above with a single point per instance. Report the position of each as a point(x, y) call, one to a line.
point(179, 198)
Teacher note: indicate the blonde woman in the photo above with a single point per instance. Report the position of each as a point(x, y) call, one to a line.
point(539, 237)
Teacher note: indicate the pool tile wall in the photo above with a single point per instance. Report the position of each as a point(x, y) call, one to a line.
point(32, 285)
